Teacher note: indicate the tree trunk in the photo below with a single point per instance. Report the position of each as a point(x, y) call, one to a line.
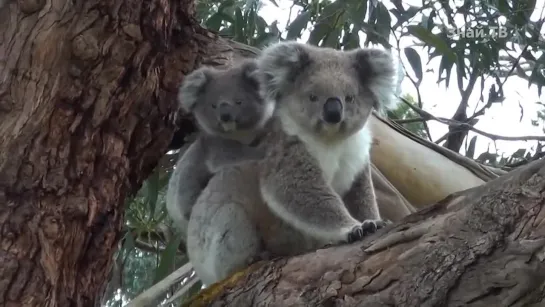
point(480, 247)
point(86, 93)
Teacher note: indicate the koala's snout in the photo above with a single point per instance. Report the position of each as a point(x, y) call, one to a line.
point(333, 110)
point(225, 112)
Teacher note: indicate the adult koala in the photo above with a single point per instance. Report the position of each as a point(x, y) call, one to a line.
point(231, 115)
point(314, 185)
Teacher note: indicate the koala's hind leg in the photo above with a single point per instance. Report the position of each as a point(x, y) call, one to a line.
point(221, 241)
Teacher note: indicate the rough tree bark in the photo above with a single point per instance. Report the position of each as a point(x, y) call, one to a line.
point(480, 247)
point(87, 89)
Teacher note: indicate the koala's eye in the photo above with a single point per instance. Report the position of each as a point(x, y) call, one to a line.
point(214, 106)
point(313, 97)
point(349, 98)
point(238, 102)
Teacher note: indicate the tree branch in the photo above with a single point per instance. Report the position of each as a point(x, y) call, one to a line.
point(410, 120)
point(428, 116)
point(456, 135)
point(150, 297)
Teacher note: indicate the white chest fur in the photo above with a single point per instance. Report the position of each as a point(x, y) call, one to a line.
point(340, 162)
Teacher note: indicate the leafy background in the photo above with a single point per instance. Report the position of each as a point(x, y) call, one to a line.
point(151, 249)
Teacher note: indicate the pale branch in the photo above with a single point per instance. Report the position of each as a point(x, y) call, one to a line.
point(425, 116)
point(150, 297)
point(147, 247)
point(191, 280)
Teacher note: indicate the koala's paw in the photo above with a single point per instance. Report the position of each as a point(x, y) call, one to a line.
point(371, 226)
point(367, 227)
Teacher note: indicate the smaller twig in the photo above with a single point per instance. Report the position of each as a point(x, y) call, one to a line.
point(410, 120)
point(427, 116)
point(415, 84)
point(526, 161)
point(490, 101)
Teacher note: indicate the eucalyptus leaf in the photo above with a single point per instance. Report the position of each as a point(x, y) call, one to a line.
point(297, 25)
point(168, 259)
point(445, 65)
point(261, 25)
point(352, 40)
point(332, 39)
point(152, 192)
point(128, 244)
point(318, 33)
point(519, 153)
point(432, 40)
point(503, 7)
point(383, 21)
point(251, 23)
point(416, 63)
point(239, 26)
point(357, 10)
point(214, 22)
point(225, 5)
point(470, 152)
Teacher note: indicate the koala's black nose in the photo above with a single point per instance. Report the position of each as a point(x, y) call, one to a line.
point(225, 117)
point(333, 109)
point(225, 112)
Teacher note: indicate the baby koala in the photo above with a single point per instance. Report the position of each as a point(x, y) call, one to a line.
point(314, 186)
point(231, 115)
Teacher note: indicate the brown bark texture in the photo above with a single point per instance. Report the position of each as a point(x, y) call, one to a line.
point(87, 93)
point(480, 247)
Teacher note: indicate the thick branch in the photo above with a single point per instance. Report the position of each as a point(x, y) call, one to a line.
point(480, 247)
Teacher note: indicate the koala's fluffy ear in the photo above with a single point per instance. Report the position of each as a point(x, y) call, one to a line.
point(376, 69)
point(279, 65)
point(250, 72)
point(192, 86)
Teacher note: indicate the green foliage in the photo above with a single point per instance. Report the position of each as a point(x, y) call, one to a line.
point(403, 111)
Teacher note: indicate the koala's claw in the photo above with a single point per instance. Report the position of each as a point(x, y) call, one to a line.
point(356, 234)
point(367, 227)
point(371, 226)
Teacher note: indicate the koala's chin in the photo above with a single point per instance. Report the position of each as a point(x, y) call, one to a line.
point(229, 127)
point(339, 130)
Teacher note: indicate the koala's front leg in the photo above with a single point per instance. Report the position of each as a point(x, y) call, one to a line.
point(361, 201)
point(293, 186)
point(186, 183)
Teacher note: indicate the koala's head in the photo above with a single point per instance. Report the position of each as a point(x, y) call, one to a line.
point(225, 102)
point(327, 92)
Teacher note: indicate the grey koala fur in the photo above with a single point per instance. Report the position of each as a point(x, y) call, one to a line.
point(314, 186)
point(231, 115)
